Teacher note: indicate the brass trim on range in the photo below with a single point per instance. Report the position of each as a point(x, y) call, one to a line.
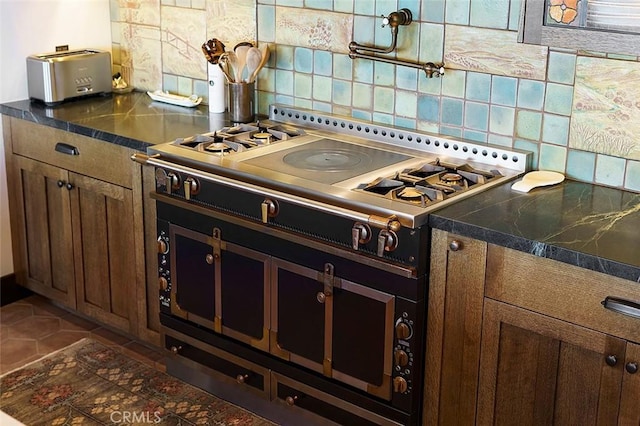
point(175, 307)
point(325, 397)
point(329, 281)
point(408, 272)
point(241, 362)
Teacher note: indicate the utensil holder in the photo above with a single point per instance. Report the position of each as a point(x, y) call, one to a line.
point(241, 102)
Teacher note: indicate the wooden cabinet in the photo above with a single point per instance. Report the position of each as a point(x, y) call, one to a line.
point(77, 224)
point(545, 351)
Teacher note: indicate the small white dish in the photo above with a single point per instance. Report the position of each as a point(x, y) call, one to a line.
point(185, 101)
point(538, 178)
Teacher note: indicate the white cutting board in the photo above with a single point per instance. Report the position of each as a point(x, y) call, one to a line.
point(535, 179)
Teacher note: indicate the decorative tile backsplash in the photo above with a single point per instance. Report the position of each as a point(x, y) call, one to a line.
point(575, 111)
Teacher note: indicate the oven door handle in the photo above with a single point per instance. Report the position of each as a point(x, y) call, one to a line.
point(156, 160)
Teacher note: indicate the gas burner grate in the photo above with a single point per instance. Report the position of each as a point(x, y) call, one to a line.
point(429, 183)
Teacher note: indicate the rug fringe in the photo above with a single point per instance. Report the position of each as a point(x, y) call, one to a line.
point(84, 340)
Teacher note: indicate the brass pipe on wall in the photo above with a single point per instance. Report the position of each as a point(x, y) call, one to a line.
point(395, 19)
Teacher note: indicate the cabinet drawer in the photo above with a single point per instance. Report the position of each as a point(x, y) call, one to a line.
point(561, 291)
point(95, 158)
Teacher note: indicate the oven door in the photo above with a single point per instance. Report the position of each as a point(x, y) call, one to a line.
point(339, 328)
point(212, 279)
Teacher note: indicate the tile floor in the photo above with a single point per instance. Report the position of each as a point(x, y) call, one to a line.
point(34, 327)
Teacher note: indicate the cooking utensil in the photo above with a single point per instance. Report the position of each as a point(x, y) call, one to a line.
point(241, 54)
point(254, 57)
point(212, 50)
point(538, 178)
point(264, 50)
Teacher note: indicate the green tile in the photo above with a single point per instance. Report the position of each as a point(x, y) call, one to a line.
point(342, 67)
point(284, 82)
point(406, 103)
point(476, 116)
point(504, 90)
point(362, 96)
point(561, 67)
point(490, 14)
point(531, 94)
point(501, 120)
point(302, 85)
point(555, 129)
point(558, 99)
point(478, 87)
point(342, 92)
point(383, 99)
point(457, 12)
point(528, 124)
point(322, 88)
point(303, 60)
point(529, 146)
point(453, 83)
point(552, 157)
point(610, 170)
point(581, 165)
point(632, 177)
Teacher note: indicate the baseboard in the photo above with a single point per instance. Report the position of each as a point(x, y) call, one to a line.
point(10, 291)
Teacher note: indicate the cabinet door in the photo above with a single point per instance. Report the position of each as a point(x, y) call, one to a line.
point(44, 262)
point(103, 235)
point(630, 402)
point(536, 370)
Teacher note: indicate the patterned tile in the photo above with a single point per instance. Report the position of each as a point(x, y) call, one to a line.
point(493, 51)
point(320, 30)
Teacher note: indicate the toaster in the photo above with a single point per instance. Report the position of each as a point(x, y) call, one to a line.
point(59, 76)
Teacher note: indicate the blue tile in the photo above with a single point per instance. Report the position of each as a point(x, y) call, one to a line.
point(529, 124)
point(552, 157)
point(559, 99)
point(610, 170)
point(479, 87)
point(364, 7)
point(364, 29)
point(452, 111)
point(407, 123)
point(284, 82)
point(531, 94)
point(561, 68)
point(514, 15)
point(345, 6)
point(379, 117)
point(555, 129)
point(476, 116)
point(501, 120)
point(431, 43)
point(632, 177)
point(321, 106)
point(581, 165)
point(385, 7)
point(363, 70)
point(383, 99)
point(406, 103)
point(362, 96)
point(407, 78)
point(342, 92)
point(384, 74)
point(361, 115)
point(504, 90)
point(266, 17)
point(490, 14)
point(292, 3)
point(429, 108)
point(475, 135)
point(413, 6)
point(453, 83)
point(342, 67)
point(451, 131)
point(322, 62)
point(432, 86)
point(500, 140)
point(433, 11)
point(318, 4)
point(303, 60)
point(457, 12)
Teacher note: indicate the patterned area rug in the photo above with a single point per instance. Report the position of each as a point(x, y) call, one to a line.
point(89, 383)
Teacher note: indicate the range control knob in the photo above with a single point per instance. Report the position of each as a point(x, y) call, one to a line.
point(387, 241)
point(163, 283)
point(191, 187)
point(403, 330)
point(400, 385)
point(360, 234)
point(268, 208)
point(163, 247)
point(401, 358)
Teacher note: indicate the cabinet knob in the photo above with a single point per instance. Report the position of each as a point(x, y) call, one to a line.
point(455, 245)
point(60, 183)
point(631, 367)
point(291, 400)
point(69, 186)
point(175, 349)
point(209, 259)
point(242, 378)
point(611, 360)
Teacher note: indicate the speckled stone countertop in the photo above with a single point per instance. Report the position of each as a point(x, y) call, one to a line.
point(591, 226)
point(132, 120)
point(594, 227)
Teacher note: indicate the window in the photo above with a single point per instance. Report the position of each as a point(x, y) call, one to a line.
point(607, 26)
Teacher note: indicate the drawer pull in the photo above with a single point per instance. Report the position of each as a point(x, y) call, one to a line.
point(621, 306)
point(65, 148)
point(632, 367)
point(611, 360)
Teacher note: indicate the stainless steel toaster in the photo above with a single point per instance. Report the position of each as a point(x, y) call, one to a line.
point(60, 76)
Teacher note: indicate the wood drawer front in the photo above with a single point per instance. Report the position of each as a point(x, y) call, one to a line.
point(561, 291)
point(98, 159)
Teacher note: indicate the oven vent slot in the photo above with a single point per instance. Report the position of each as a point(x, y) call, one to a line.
point(486, 154)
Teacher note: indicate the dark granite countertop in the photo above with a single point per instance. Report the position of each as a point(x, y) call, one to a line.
point(594, 227)
point(132, 120)
point(591, 226)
